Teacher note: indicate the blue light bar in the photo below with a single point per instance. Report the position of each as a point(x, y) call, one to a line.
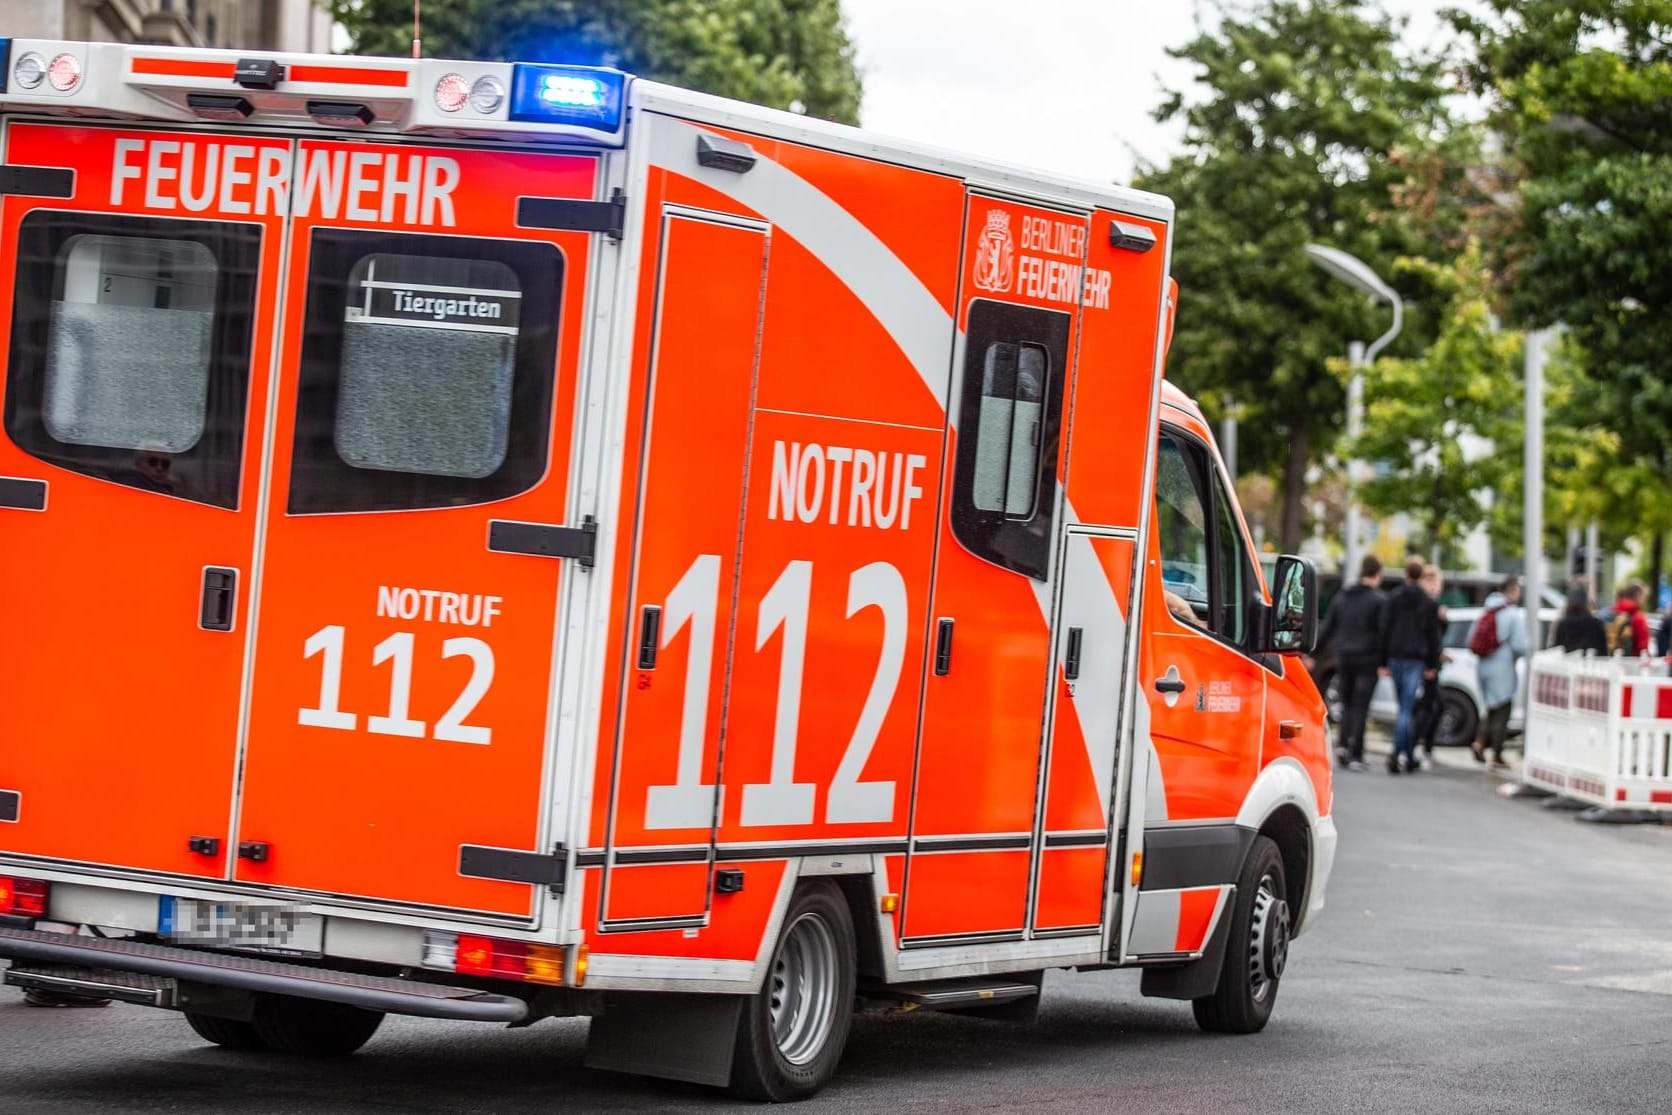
point(568, 95)
point(5, 63)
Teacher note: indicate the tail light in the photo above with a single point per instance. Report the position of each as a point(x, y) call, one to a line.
point(64, 73)
point(23, 897)
point(471, 954)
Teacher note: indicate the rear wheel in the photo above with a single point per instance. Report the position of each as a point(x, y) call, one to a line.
point(228, 1033)
point(1459, 719)
point(312, 1027)
point(791, 1033)
point(1258, 948)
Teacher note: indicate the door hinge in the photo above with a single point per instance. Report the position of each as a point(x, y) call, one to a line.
point(256, 851)
point(574, 214)
point(506, 536)
point(204, 845)
point(512, 866)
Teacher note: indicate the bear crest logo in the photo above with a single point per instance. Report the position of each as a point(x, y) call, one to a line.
point(995, 254)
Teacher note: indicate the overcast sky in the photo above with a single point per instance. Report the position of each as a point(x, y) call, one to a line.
point(1067, 85)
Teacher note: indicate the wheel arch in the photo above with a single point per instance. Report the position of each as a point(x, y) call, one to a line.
point(1282, 805)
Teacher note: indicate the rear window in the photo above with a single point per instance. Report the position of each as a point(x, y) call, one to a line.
point(1457, 633)
point(130, 350)
point(427, 372)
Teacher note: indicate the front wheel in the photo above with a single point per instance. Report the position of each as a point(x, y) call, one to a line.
point(791, 1033)
point(1258, 949)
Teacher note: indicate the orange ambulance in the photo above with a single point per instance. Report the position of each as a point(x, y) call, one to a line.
point(497, 541)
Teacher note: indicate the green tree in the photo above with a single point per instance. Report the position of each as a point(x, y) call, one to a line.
point(1303, 105)
point(791, 54)
point(1443, 427)
point(1580, 90)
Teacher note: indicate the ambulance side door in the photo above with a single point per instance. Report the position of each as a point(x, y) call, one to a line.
point(1206, 693)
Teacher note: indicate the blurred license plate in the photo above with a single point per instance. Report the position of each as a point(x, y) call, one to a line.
point(241, 925)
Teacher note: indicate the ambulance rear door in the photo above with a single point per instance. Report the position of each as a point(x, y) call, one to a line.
point(418, 533)
point(139, 282)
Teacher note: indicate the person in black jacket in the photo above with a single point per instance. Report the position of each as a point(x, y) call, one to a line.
point(1411, 649)
point(1580, 628)
point(1355, 623)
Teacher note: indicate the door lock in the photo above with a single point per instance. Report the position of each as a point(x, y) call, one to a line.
point(205, 845)
point(256, 851)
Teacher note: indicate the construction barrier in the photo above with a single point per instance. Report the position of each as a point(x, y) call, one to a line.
point(1599, 730)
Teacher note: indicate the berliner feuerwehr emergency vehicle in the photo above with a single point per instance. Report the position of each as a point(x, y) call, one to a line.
point(496, 541)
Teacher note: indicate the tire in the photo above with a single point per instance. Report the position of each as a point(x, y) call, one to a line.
point(790, 1035)
point(1459, 719)
point(1257, 951)
point(312, 1028)
point(227, 1033)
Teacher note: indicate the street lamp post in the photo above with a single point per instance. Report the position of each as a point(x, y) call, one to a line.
point(1358, 275)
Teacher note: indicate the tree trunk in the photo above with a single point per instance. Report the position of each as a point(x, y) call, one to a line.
point(1294, 489)
point(1657, 564)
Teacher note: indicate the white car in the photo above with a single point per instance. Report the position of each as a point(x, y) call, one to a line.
point(1461, 707)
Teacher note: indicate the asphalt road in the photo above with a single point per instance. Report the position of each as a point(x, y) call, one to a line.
point(1478, 955)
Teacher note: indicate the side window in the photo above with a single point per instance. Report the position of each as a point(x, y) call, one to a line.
point(130, 350)
point(1181, 523)
point(427, 372)
point(1206, 572)
point(1009, 426)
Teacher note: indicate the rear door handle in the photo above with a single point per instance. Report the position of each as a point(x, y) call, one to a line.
point(943, 647)
point(220, 594)
point(1071, 663)
point(650, 631)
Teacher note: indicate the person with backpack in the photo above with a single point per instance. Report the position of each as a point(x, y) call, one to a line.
point(1355, 624)
point(1628, 630)
point(1579, 629)
point(1498, 639)
point(1411, 648)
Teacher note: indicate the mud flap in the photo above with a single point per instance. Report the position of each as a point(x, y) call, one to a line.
point(673, 1037)
point(1199, 977)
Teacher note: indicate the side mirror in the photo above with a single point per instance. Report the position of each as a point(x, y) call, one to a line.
point(1294, 607)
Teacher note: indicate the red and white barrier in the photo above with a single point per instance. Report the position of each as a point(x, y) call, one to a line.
point(1600, 730)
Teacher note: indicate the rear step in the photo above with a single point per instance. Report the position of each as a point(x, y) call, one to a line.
point(98, 983)
point(957, 994)
point(105, 962)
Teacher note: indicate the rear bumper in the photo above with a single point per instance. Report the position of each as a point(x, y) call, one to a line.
point(255, 974)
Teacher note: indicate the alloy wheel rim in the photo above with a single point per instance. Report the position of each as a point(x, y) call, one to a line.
point(803, 989)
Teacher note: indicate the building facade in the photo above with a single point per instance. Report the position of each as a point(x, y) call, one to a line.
point(289, 25)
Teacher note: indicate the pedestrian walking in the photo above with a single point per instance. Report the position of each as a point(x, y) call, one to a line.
point(1498, 639)
point(1580, 629)
point(1411, 649)
point(1355, 624)
point(1428, 704)
point(1628, 630)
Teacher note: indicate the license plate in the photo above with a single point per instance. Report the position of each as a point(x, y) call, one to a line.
point(241, 925)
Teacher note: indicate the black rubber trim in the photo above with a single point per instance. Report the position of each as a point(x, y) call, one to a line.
point(379, 993)
point(37, 181)
point(10, 803)
point(1181, 857)
point(642, 856)
point(512, 866)
point(975, 844)
point(577, 216)
point(24, 495)
point(1076, 840)
point(506, 536)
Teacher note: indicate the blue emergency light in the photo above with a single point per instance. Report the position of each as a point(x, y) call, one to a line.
point(5, 63)
point(568, 95)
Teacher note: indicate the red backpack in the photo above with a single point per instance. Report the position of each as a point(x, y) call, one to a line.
point(1483, 640)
